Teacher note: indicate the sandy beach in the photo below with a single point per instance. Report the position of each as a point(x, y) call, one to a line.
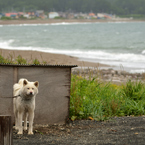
point(50, 58)
point(50, 21)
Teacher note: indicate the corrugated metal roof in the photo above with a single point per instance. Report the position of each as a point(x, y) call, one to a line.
point(34, 65)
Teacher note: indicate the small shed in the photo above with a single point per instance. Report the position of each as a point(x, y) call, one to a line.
point(52, 101)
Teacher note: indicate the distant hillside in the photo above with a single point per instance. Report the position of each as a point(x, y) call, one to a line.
point(119, 7)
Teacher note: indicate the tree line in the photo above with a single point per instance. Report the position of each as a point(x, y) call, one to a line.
point(118, 7)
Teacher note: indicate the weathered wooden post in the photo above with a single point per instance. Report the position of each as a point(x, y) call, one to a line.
point(5, 130)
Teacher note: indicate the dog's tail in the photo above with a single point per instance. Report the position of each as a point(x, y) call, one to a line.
point(18, 86)
point(20, 82)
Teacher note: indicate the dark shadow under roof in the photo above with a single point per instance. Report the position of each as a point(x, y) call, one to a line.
point(38, 65)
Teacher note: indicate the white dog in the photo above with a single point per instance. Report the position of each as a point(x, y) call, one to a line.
point(24, 103)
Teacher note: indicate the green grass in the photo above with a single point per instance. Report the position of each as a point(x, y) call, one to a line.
point(92, 98)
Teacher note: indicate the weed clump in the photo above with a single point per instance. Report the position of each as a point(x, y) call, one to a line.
point(20, 60)
point(36, 61)
point(91, 98)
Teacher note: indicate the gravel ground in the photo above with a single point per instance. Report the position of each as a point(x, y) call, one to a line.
point(116, 131)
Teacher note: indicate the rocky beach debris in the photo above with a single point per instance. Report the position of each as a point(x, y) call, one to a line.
point(108, 75)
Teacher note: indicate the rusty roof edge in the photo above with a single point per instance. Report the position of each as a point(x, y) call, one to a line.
point(36, 65)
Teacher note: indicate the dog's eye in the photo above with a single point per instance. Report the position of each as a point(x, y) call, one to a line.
point(32, 88)
point(28, 88)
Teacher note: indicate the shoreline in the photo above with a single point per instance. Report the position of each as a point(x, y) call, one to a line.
point(62, 59)
point(50, 58)
point(50, 21)
point(103, 72)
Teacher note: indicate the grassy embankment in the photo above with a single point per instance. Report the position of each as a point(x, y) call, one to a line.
point(98, 100)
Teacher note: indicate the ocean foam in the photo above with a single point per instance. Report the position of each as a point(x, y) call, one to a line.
point(6, 44)
point(143, 52)
point(89, 55)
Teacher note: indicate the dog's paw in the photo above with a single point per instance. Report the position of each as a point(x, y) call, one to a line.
point(30, 132)
point(25, 128)
point(15, 127)
point(20, 132)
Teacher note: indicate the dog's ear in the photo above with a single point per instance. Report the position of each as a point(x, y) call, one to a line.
point(25, 82)
point(36, 84)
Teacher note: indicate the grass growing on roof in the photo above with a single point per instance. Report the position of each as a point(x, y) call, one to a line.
point(19, 60)
point(36, 61)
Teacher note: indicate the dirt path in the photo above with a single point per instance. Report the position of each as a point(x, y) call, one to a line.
point(117, 131)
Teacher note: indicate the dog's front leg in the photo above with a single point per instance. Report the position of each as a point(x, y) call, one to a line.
point(16, 120)
point(25, 120)
point(31, 117)
point(20, 129)
point(15, 114)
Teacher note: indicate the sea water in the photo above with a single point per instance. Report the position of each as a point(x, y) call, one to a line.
point(119, 44)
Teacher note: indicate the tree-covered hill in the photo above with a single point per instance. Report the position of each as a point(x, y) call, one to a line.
point(119, 7)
